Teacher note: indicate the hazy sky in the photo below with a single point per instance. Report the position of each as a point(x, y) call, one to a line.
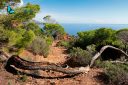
point(84, 11)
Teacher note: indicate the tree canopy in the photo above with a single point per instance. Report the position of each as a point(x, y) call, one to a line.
point(99, 37)
point(18, 30)
point(53, 29)
point(21, 16)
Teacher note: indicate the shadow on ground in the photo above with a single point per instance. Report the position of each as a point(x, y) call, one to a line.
point(103, 78)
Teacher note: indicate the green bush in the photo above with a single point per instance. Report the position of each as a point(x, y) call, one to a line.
point(104, 36)
point(63, 43)
point(91, 49)
point(102, 64)
point(3, 36)
point(53, 30)
point(80, 57)
point(117, 75)
point(99, 37)
point(9, 37)
point(35, 28)
point(26, 39)
point(122, 35)
point(39, 46)
point(85, 38)
point(49, 40)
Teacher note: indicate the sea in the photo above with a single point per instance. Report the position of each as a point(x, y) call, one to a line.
point(73, 29)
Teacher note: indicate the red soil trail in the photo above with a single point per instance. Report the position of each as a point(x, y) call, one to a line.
point(57, 55)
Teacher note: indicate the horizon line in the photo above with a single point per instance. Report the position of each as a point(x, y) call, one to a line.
point(85, 23)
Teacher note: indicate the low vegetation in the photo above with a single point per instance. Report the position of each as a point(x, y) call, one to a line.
point(54, 30)
point(79, 57)
point(63, 43)
point(117, 74)
point(19, 32)
point(39, 46)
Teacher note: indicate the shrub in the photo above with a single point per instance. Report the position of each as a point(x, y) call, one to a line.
point(35, 28)
point(123, 36)
point(39, 46)
point(79, 57)
point(26, 39)
point(63, 43)
point(91, 49)
point(49, 40)
point(3, 36)
point(85, 38)
point(102, 64)
point(53, 30)
point(9, 37)
point(117, 75)
point(99, 37)
point(99, 64)
point(104, 36)
point(13, 37)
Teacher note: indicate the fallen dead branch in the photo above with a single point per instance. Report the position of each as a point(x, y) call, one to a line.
point(27, 65)
point(97, 55)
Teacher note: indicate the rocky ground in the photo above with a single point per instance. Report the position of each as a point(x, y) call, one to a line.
point(57, 55)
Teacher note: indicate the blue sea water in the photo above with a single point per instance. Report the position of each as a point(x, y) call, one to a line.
point(72, 29)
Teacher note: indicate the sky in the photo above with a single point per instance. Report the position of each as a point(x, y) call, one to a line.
point(83, 11)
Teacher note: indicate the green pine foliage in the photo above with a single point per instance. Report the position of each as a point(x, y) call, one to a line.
point(99, 37)
point(53, 29)
point(19, 31)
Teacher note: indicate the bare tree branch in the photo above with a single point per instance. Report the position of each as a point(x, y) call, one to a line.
point(97, 55)
point(27, 65)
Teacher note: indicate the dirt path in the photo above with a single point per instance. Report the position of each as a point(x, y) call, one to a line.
point(57, 55)
point(92, 78)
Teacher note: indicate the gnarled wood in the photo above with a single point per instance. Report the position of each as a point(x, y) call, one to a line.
point(97, 55)
point(20, 63)
point(27, 65)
